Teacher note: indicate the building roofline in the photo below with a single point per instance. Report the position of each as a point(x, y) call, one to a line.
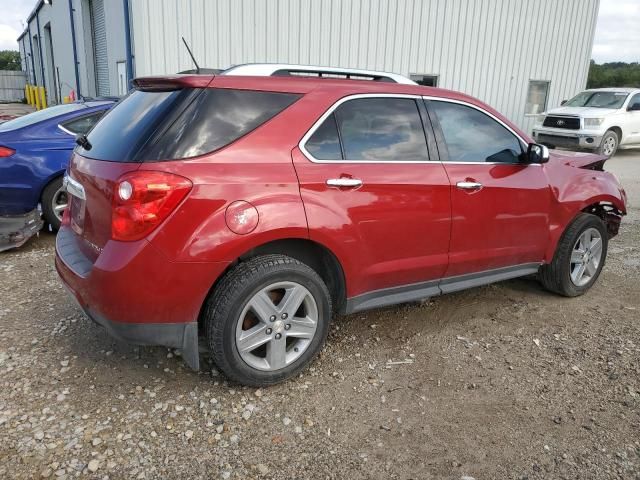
point(33, 13)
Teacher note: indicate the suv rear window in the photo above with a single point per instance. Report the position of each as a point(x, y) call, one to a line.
point(150, 126)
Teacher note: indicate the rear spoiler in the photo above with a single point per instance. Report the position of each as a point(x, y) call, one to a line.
point(172, 82)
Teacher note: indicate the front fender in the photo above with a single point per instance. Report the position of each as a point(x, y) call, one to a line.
point(576, 194)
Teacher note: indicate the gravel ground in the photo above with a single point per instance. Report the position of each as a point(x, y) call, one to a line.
point(504, 381)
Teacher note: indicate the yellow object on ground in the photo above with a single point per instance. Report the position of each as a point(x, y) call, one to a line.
point(65, 99)
point(37, 98)
point(43, 98)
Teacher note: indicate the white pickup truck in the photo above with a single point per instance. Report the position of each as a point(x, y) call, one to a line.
point(602, 119)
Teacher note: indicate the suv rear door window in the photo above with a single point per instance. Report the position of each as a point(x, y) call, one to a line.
point(472, 136)
point(324, 144)
point(382, 129)
point(375, 129)
point(154, 126)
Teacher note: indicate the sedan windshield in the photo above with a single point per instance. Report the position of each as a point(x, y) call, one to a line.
point(598, 99)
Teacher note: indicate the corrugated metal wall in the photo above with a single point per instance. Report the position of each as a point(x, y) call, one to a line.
point(12, 85)
point(487, 48)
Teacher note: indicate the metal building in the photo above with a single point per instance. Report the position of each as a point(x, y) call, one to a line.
point(517, 55)
point(75, 45)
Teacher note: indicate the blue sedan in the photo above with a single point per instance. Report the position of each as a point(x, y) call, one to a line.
point(34, 152)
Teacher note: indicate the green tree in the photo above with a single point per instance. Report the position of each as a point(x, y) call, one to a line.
point(614, 74)
point(10, 60)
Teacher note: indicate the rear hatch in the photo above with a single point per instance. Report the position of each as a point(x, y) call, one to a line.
point(162, 119)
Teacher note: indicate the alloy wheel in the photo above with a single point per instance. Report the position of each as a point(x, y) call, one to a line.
point(59, 202)
point(609, 146)
point(276, 326)
point(586, 257)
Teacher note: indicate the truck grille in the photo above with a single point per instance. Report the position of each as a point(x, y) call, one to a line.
point(557, 141)
point(571, 123)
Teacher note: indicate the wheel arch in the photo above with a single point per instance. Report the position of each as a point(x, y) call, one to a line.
point(317, 256)
point(608, 208)
point(618, 131)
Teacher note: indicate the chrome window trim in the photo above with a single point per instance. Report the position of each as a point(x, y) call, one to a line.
point(332, 108)
point(66, 131)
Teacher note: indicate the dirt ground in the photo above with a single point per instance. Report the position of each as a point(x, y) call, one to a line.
point(505, 381)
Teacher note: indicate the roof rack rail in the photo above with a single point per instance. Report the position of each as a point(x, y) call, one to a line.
point(287, 70)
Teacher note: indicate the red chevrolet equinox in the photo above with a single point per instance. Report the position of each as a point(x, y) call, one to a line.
point(250, 210)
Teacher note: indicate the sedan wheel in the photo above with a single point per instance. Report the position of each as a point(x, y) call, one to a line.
point(59, 203)
point(54, 201)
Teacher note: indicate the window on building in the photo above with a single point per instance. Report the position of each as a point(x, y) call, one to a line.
point(472, 136)
point(121, 68)
point(425, 80)
point(83, 124)
point(536, 97)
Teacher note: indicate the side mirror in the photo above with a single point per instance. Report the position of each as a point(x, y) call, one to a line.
point(563, 102)
point(537, 153)
point(634, 107)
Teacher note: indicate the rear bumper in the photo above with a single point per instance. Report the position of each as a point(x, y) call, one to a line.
point(136, 294)
point(15, 230)
point(562, 138)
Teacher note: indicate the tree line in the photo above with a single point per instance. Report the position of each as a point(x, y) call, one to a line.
point(614, 74)
point(10, 60)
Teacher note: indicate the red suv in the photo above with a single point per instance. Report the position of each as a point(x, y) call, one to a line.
point(249, 210)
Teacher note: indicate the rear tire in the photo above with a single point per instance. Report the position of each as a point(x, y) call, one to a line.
point(609, 144)
point(584, 243)
point(256, 331)
point(54, 200)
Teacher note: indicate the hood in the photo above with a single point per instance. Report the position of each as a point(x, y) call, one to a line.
point(590, 161)
point(590, 112)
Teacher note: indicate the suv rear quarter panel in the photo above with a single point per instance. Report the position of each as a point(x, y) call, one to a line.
point(256, 169)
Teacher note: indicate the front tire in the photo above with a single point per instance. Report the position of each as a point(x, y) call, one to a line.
point(579, 257)
point(54, 201)
point(609, 144)
point(267, 319)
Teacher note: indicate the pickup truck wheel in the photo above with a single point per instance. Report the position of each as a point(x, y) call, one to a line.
point(54, 201)
point(609, 144)
point(579, 257)
point(267, 319)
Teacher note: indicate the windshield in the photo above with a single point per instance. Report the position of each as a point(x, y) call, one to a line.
point(598, 100)
point(39, 116)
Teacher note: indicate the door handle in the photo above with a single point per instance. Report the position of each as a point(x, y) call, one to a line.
point(469, 185)
point(344, 182)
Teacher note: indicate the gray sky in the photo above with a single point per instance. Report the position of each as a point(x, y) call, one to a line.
point(617, 33)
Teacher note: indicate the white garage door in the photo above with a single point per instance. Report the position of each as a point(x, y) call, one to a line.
point(99, 31)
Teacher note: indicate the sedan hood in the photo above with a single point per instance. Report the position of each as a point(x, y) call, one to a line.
point(589, 112)
point(590, 161)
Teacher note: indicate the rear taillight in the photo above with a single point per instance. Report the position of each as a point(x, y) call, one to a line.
point(6, 151)
point(142, 200)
